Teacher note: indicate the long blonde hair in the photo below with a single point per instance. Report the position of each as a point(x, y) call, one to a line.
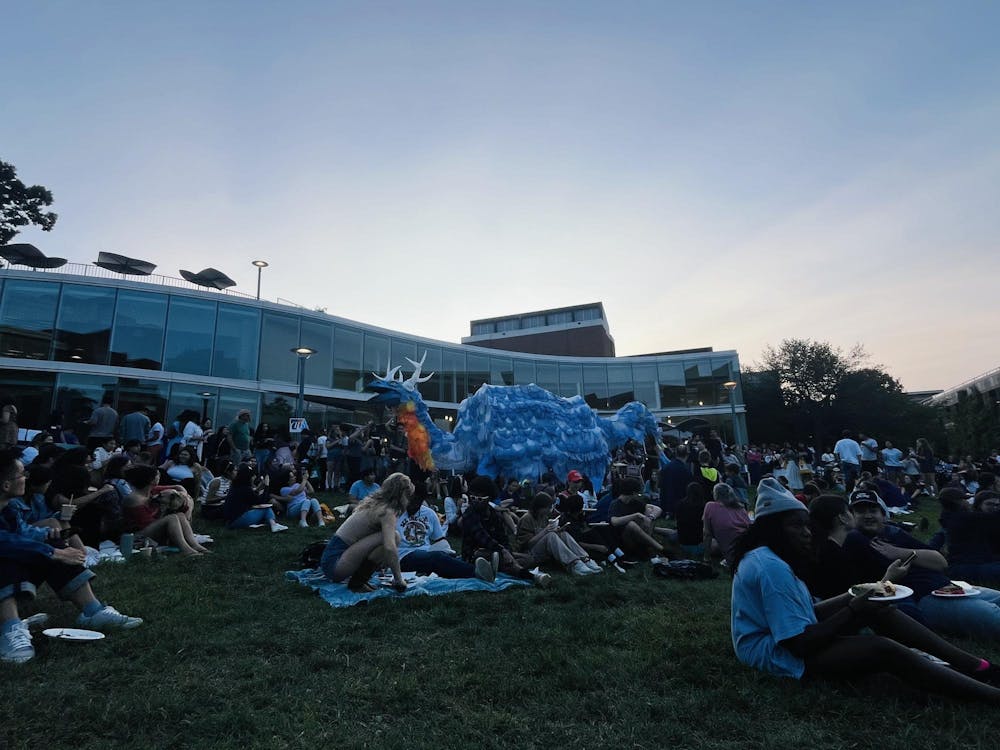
point(392, 496)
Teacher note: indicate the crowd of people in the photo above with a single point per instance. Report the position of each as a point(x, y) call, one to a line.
point(818, 528)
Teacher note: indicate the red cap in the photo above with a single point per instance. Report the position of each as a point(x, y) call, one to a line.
point(574, 476)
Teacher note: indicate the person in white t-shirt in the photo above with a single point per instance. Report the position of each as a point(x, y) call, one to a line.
point(892, 460)
point(849, 453)
point(869, 453)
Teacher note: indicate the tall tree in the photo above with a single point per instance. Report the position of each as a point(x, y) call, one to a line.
point(21, 205)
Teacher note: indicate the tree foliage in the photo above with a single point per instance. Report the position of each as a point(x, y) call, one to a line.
point(21, 205)
point(809, 391)
point(973, 428)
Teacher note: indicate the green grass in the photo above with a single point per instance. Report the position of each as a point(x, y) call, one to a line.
point(233, 656)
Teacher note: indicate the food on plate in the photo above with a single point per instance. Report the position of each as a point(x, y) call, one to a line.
point(878, 589)
point(950, 590)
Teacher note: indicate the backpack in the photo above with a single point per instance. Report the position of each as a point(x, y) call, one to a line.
point(312, 554)
point(685, 570)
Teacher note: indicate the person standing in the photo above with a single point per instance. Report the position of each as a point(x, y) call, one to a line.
point(135, 425)
point(925, 459)
point(103, 422)
point(154, 441)
point(239, 438)
point(848, 452)
point(869, 454)
point(892, 460)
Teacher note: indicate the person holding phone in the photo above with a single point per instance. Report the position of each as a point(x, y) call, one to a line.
point(777, 628)
point(541, 538)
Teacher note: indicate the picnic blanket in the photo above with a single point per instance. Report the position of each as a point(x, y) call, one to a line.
point(338, 595)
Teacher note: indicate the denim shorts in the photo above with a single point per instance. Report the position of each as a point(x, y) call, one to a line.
point(334, 549)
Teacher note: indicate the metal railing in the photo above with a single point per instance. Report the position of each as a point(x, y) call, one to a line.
point(96, 272)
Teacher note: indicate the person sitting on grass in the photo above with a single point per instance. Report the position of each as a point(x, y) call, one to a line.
point(541, 537)
point(26, 563)
point(455, 503)
point(367, 540)
point(421, 542)
point(598, 540)
point(735, 480)
point(297, 492)
point(776, 628)
point(723, 520)
point(972, 535)
point(182, 468)
point(164, 521)
point(632, 526)
point(484, 533)
point(362, 488)
point(248, 503)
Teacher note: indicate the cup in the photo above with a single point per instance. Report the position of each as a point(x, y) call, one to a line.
point(146, 553)
point(68, 510)
point(126, 545)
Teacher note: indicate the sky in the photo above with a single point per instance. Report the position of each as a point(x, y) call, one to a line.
point(724, 174)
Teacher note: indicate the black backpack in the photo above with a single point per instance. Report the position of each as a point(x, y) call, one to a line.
point(312, 554)
point(685, 570)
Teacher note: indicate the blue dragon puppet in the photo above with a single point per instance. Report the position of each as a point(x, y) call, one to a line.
point(519, 431)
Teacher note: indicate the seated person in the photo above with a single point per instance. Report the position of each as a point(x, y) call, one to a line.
point(690, 512)
point(97, 513)
point(972, 536)
point(247, 502)
point(367, 540)
point(164, 521)
point(484, 533)
point(183, 469)
point(455, 503)
point(632, 527)
point(34, 509)
point(362, 488)
point(597, 539)
point(724, 520)
point(735, 480)
point(420, 531)
point(26, 563)
point(542, 537)
point(776, 628)
point(297, 492)
point(874, 544)
point(213, 505)
point(102, 454)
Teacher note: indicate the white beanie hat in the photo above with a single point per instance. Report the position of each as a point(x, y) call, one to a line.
point(772, 498)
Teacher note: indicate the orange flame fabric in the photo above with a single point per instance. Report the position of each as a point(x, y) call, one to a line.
point(416, 435)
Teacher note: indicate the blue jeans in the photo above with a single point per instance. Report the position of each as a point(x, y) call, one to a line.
point(309, 505)
point(251, 517)
point(423, 562)
point(850, 472)
point(977, 616)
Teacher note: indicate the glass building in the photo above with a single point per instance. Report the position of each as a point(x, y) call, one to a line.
point(66, 341)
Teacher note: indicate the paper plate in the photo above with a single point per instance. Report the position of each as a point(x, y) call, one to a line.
point(902, 592)
point(73, 634)
point(965, 593)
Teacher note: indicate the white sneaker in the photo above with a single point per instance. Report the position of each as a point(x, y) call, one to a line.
point(278, 527)
point(109, 617)
point(578, 568)
point(15, 645)
point(321, 522)
point(618, 567)
point(36, 620)
point(303, 524)
point(542, 580)
point(203, 539)
point(594, 567)
point(484, 571)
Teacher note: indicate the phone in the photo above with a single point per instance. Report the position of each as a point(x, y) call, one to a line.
point(912, 556)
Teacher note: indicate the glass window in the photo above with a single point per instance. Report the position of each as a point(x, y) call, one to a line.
point(190, 336)
point(620, 389)
point(237, 333)
point(78, 395)
point(231, 400)
point(31, 392)
point(644, 377)
point(478, 369)
point(701, 389)
point(672, 386)
point(570, 380)
point(532, 321)
point(483, 328)
point(524, 372)
point(27, 313)
point(401, 350)
point(595, 386)
point(547, 376)
point(137, 336)
point(512, 324)
point(559, 317)
point(721, 374)
point(376, 355)
point(279, 335)
point(347, 359)
point(590, 313)
point(194, 397)
point(134, 393)
point(453, 376)
point(431, 390)
point(501, 371)
point(83, 327)
point(276, 409)
point(319, 336)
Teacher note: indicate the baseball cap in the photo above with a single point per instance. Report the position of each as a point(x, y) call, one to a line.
point(862, 497)
point(574, 476)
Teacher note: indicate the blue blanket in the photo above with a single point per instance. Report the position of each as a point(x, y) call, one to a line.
point(338, 595)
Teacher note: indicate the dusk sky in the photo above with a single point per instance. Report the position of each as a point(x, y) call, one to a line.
point(718, 174)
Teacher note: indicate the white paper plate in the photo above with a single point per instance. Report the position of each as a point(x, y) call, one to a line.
point(73, 634)
point(902, 592)
point(965, 593)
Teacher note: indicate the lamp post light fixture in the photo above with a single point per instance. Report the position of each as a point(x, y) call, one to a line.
point(205, 396)
point(303, 353)
point(730, 385)
point(261, 265)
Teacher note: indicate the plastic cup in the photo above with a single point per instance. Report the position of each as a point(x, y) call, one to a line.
point(67, 512)
point(126, 545)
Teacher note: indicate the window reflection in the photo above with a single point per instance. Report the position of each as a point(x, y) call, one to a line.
point(279, 335)
point(236, 342)
point(137, 336)
point(27, 313)
point(477, 371)
point(570, 380)
point(83, 327)
point(347, 359)
point(319, 367)
point(32, 393)
point(190, 335)
point(620, 389)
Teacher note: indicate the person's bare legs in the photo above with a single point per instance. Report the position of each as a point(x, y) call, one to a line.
point(8, 609)
point(356, 555)
point(189, 536)
point(170, 525)
point(639, 538)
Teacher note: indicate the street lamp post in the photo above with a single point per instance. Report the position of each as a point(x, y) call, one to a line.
point(261, 265)
point(303, 353)
point(205, 396)
point(730, 385)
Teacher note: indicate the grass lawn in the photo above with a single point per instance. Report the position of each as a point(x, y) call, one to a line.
point(233, 656)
